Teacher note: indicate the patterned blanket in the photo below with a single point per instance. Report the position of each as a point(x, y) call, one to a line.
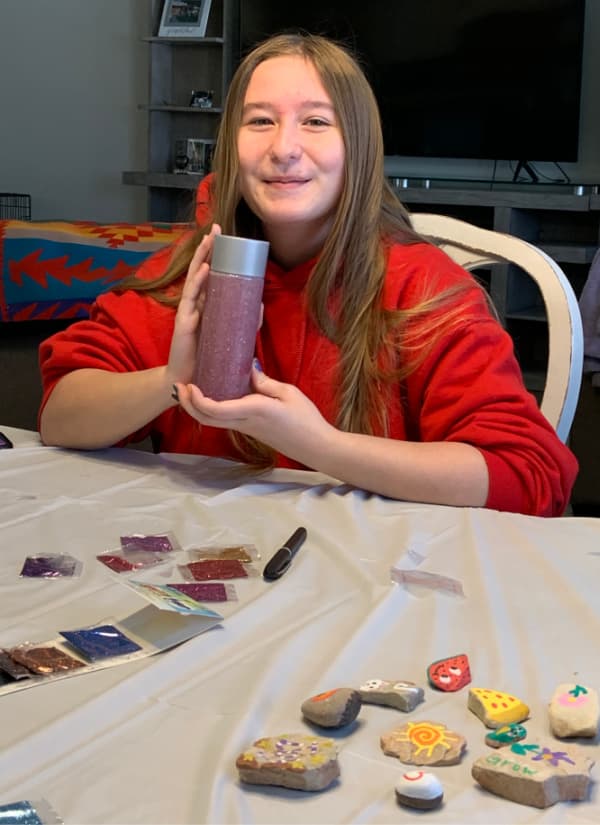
point(55, 269)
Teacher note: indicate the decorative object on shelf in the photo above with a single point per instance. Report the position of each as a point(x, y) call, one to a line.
point(193, 155)
point(184, 18)
point(201, 99)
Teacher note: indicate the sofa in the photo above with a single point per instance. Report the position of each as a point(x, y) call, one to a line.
point(53, 270)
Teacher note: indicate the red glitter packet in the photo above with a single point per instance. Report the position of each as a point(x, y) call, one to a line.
point(214, 569)
point(207, 591)
point(124, 561)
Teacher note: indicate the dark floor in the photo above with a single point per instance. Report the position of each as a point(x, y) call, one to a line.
point(21, 394)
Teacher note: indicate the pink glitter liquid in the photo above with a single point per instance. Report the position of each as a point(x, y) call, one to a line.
point(228, 334)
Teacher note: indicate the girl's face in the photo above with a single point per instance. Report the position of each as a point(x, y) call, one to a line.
point(291, 151)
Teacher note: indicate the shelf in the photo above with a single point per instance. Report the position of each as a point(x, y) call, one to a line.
point(168, 107)
point(565, 201)
point(162, 180)
point(185, 41)
point(569, 253)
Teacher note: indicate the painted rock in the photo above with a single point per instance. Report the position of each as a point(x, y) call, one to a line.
point(418, 789)
point(401, 695)
point(424, 743)
point(332, 709)
point(505, 735)
point(538, 774)
point(292, 760)
point(450, 674)
point(574, 711)
point(495, 708)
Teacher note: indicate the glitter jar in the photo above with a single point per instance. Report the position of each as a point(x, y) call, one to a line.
point(230, 317)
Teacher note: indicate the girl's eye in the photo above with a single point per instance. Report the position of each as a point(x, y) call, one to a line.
point(316, 121)
point(259, 121)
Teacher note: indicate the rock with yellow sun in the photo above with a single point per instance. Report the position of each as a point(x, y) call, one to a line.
point(424, 743)
point(537, 774)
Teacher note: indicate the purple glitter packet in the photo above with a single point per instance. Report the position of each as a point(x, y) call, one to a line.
point(50, 566)
point(139, 541)
point(100, 642)
point(24, 812)
point(207, 591)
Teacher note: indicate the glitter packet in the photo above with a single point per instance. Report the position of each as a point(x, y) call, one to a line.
point(11, 671)
point(42, 660)
point(217, 552)
point(163, 543)
point(124, 561)
point(24, 812)
point(216, 569)
point(101, 642)
point(207, 591)
point(50, 566)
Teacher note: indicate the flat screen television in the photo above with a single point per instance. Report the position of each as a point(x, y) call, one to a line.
point(485, 79)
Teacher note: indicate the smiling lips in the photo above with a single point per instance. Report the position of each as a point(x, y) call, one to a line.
point(285, 181)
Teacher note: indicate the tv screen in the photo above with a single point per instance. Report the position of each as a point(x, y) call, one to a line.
point(486, 79)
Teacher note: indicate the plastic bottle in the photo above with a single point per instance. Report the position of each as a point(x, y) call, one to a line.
point(230, 317)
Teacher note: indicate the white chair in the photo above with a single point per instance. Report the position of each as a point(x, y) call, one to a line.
point(473, 247)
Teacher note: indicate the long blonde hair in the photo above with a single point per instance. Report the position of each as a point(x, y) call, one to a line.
point(369, 217)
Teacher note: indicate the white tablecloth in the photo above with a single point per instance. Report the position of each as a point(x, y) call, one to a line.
point(155, 741)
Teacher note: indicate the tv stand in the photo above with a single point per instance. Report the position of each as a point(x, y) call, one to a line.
point(525, 166)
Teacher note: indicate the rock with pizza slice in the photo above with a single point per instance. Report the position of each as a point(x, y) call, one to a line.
point(450, 674)
point(495, 708)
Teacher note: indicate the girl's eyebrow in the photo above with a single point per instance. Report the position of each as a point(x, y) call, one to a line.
point(306, 104)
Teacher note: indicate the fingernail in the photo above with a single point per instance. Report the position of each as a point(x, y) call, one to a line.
point(175, 394)
point(257, 365)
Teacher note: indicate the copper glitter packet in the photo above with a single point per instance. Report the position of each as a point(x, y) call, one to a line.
point(44, 660)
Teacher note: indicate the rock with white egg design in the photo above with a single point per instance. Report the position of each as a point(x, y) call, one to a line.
point(419, 789)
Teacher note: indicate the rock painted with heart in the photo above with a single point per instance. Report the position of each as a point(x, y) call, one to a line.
point(495, 708)
point(291, 760)
point(574, 711)
point(402, 695)
point(424, 743)
point(450, 674)
point(538, 774)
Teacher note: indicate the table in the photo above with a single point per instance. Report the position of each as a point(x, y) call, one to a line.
point(155, 741)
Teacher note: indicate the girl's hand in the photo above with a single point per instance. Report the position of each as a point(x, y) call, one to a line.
point(277, 414)
point(182, 355)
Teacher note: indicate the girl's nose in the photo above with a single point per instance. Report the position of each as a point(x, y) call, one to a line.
point(286, 145)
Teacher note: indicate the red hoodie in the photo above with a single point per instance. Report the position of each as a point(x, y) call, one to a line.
point(469, 389)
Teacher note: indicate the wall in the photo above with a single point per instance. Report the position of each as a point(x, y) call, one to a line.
point(73, 74)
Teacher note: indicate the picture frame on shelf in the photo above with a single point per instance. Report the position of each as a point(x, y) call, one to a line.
point(193, 156)
point(184, 18)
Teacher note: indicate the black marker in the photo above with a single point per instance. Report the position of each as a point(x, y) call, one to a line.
point(282, 559)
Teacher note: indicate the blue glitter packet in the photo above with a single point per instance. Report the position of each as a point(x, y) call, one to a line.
point(100, 643)
point(25, 812)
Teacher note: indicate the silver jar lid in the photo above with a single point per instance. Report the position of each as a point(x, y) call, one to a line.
point(239, 256)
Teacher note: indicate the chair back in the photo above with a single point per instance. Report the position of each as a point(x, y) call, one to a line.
point(473, 247)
